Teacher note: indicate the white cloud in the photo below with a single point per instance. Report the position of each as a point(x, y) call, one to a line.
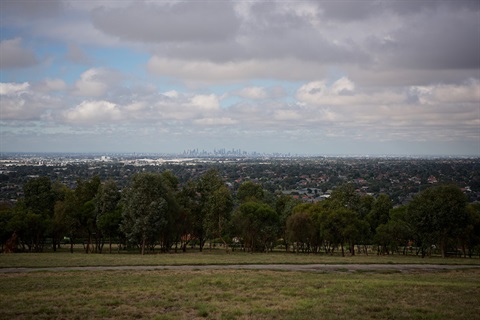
point(8, 88)
point(342, 86)
point(92, 83)
point(93, 112)
point(171, 94)
point(205, 102)
point(252, 93)
point(287, 115)
point(215, 121)
point(20, 102)
point(207, 72)
point(467, 92)
point(341, 93)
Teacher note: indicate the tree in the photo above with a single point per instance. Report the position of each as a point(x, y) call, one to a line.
point(300, 230)
point(470, 238)
point(439, 214)
point(250, 191)
point(169, 232)
point(257, 224)
point(39, 203)
point(398, 231)
point(108, 213)
point(39, 196)
point(346, 196)
point(59, 227)
point(379, 214)
point(145, 210)
point(84, 210)
point(189, 204)
point(218, 210)
point(202, 209)
point(341, 226)
point(66, 213)
point(284, 207)
point(6, 214)
point(109, 224)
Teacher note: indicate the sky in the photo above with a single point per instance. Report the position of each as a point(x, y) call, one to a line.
point(301, 77)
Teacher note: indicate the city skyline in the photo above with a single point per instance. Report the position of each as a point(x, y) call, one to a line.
point(303, 77)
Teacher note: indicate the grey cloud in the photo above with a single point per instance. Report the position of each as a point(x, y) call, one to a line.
point(443, 41)
point(412, 7)
point(267, 18)
point(349, 10)
point(14, 55)
point(272, 32)
point(177, 22)
point(27, 10)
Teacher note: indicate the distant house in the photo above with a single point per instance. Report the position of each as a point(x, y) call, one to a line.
point(432, 180)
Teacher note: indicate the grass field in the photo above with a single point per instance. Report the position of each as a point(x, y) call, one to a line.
point(240, 294)
point(235, 294)
point(65, 259)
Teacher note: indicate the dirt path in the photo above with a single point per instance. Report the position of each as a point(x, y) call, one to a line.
point(284, 267)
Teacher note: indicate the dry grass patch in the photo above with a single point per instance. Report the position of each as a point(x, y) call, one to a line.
point(65, 259)
point(239, 294)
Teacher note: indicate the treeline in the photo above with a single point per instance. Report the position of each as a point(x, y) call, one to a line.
point(154, 211)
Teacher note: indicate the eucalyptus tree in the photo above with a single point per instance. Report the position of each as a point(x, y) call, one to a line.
point(186, 225)
point(84, 210)
point(345, 196)
point(342, 226)
point(300, 230)
point(39, 203)
point(108, 213)
point(210, 206)
point(257, 225)
point(147, 205)
point(440, 215)
point(284, 207)
point(250, 191)
point(470, 238)
point(395, 233)
point(217, 213)
point(379, 214)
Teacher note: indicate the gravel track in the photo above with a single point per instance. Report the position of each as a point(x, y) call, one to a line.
point(404, 268)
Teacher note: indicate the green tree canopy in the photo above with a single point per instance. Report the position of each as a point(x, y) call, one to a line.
point(439, 214)
point(145, 210)
point(257, 224)
point(250, 191)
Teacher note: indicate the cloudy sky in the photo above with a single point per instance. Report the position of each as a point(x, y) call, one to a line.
point(307, 77)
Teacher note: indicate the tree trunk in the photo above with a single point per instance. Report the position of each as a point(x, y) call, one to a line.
point(143, 245)
point(443, 248)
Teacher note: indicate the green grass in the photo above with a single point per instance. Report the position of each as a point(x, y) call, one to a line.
point(65, 259)
point(239, 294)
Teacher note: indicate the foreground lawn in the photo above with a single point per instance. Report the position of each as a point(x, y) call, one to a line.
point(65, 259)
point(242, 294)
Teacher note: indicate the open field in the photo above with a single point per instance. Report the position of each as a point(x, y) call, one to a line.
point(194, 292)
point(64, 259)
point(240, 294)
